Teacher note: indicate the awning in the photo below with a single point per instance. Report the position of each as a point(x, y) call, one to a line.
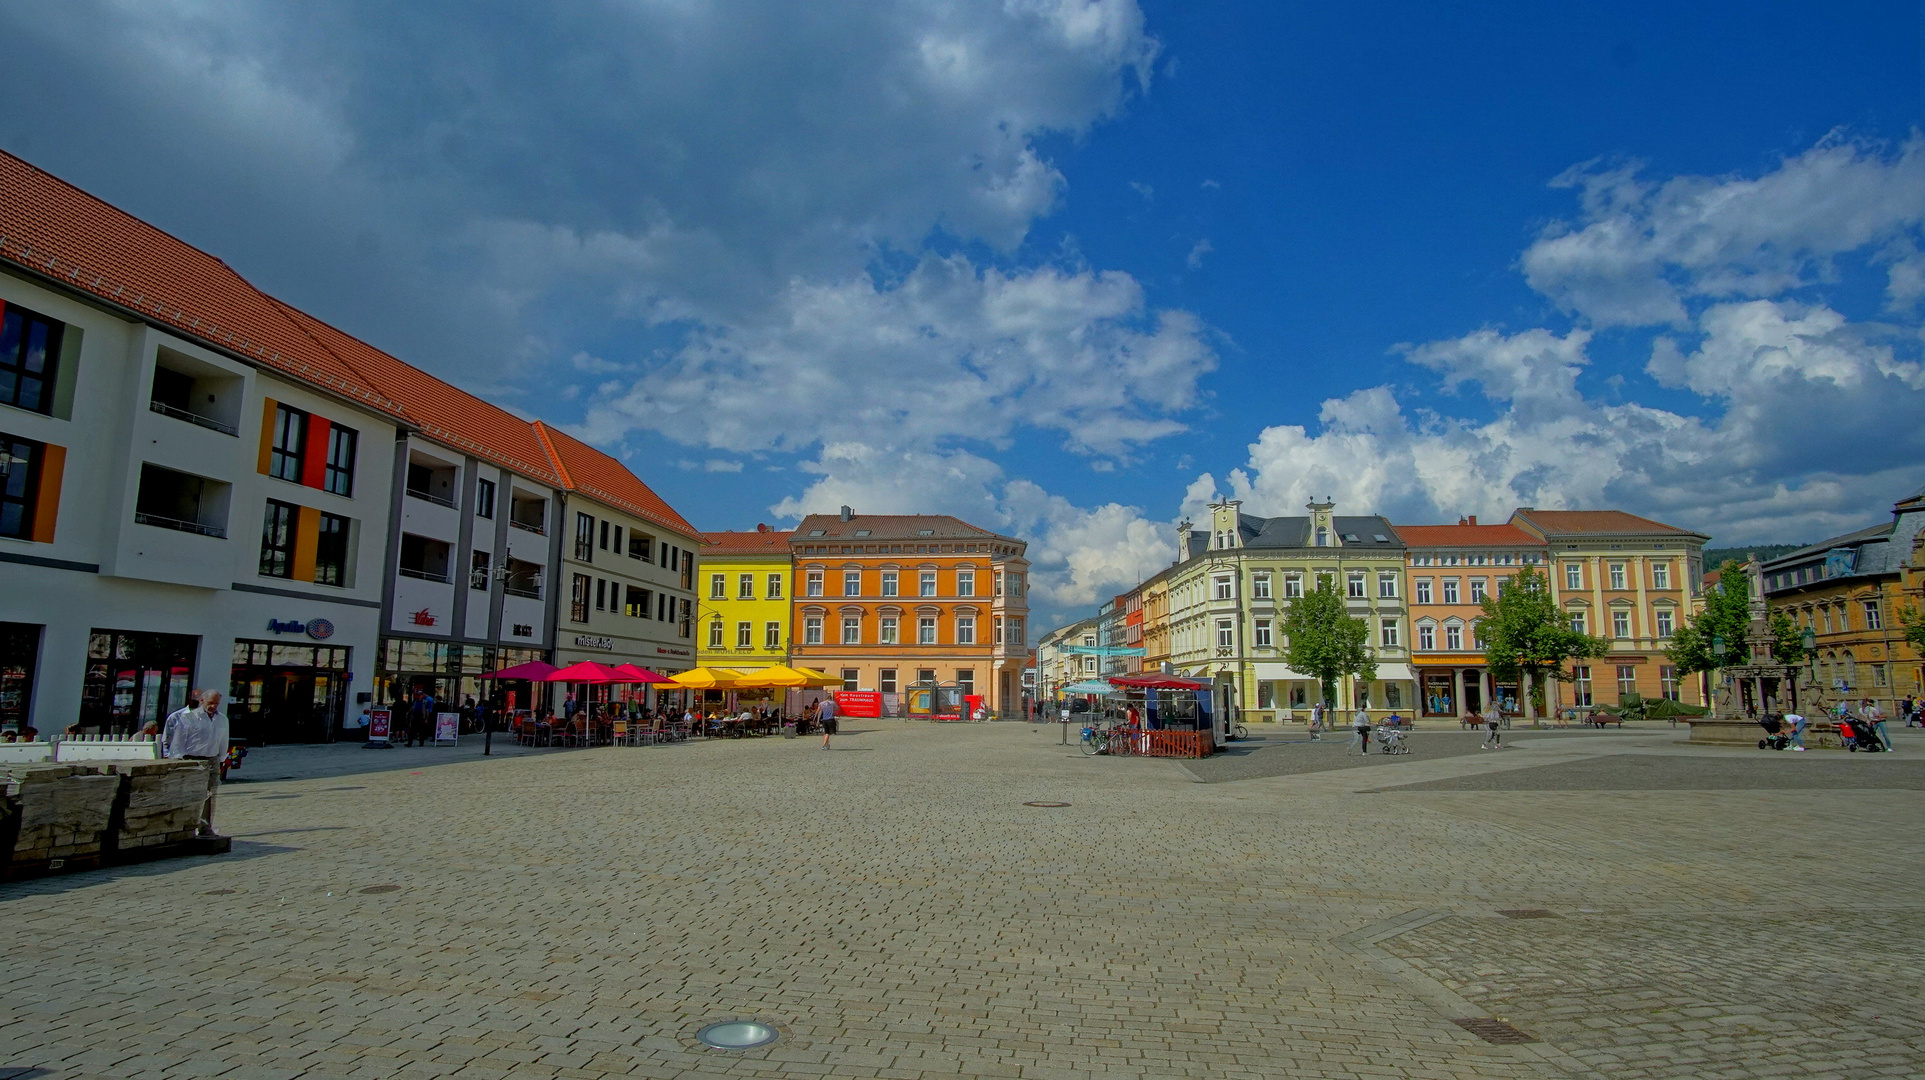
point(1281, 672)
point(1394, 673)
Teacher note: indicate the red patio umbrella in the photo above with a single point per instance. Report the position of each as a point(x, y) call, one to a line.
point(536, 670)
point(641, 674)
point(589, 671)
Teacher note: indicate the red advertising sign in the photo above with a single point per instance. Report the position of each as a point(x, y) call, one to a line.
point(866, 704)
point(379, 724)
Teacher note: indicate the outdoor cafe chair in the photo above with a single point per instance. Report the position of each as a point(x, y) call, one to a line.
point(618, 733)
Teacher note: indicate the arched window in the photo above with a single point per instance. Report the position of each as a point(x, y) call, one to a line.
point(1851, 669)
point(1323, 536)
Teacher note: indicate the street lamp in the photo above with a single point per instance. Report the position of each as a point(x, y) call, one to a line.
point(1718, 648)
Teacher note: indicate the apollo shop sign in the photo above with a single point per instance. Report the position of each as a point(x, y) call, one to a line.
point(318, 629)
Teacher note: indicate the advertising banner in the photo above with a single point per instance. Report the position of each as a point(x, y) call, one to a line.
point(380, 724)
point(866, 704)
point(447, 728)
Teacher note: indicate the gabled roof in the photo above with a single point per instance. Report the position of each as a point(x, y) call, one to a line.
point(599, 476)
point(910, 527)
point(748, 542)
point(1294, 532)
point(1467, 536)
point(1592, 523)
point(55, 230)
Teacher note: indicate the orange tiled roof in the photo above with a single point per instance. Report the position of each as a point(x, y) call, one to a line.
point(586, 469)
point(749, 542)
point(56, 230)
point(1466, 536)
point(1613, 522)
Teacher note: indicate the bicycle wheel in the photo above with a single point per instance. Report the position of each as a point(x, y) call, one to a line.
point(1240, 732)
point(1092, 743)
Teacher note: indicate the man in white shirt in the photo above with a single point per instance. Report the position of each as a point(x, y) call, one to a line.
point(1871, 714)
point(1797, 725)
point(200, 734)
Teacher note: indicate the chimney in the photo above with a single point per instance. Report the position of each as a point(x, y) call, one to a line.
point(761, 527)
point(1461, 521)
point(1473, 519)
point(847, 513)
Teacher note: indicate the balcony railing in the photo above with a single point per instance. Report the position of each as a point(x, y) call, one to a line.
point(537, 529)
point(196, 419)
point(532, 592)
point(178, 525)
point(425, 575)
point(436, 499)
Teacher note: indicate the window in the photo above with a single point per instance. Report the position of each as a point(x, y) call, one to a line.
point(775, 587)
point(965, 583)
point(1617, 575)
point(1577, 622)
point(605, 535)
point(852, 583)
point(1225, 634)
point(484, 495)
point(1323, 536)
point(1423, 590)
point(478, 570)
point(29, 352)
point(1260, 586)
point(578, 598)
point(635, 602)
point(889, 583)
point(19, 485)
point(601, 594)
point(886, 680)
point(1386, 586)
point(1620, 624)
point(966, 680)
point(1263, 633)
point(996, 631)
point(1872, 620)
point(641, 547)
point(1354, 585)
point(1089, 665)
point(1393, 696)
point(1453, 636)
point(771, 635)
point(1017, 637)
point(331, 551)
point(812, 584)
point(1661, 578)
point(887, 630)
point(1878, 674)
point(1627, 679)
point(1450, 590)
point(812, 630)
point(1666, 625)
point(1477, 634)
point(1668, 682)
point(1478, 588)
point(715, 634)
point(1573, 575)
point(965, 629)
point(745, 586)
point(1292, 586)
point(999, 583)
point(289, 438)
point(277, 539)
point(1581, 685)
point(852, 630)
point(1426, 636)
point(926, 630)
point(744, 635)
point(584, 538)
point(338, 476)
point(718, 586)
point(1222, 586)
point(926, 583)
point(1389, 636)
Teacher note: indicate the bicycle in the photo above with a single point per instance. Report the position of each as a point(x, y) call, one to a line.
point(1239, 732)
point(1094, 742)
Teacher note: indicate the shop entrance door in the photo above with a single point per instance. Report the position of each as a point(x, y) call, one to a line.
point(1473, 692)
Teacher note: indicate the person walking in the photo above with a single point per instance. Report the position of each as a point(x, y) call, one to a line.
point(200, 734)
point(1493, 735)
point(1910, 709)
point(826, 715)
point(1797, 725)
point(1871, 714)
point(1316, 722)
point(1360, 732)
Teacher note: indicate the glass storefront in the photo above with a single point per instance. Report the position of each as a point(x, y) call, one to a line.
point(19, 658)
point(451, 671)
point(287, 693)
point(133, 678)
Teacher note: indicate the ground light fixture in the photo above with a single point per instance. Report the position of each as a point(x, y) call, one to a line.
point(736, 1035)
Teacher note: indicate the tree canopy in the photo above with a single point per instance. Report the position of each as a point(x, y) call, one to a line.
point(1326, 641)
point(1727, 614)
point(1526, 634)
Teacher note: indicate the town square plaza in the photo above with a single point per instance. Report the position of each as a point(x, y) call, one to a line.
point(910, 904)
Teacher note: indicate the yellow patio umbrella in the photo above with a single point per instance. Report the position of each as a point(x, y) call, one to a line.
point(707, 679)
point(782, 675)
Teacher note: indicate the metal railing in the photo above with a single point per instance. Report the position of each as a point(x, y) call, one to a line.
point(436, 499)
point(538, 530)
point(425, 575)
point(159, 522)
point(532, 592)
point(196, 419)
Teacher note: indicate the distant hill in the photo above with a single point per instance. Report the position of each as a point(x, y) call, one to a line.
point(1716, 557)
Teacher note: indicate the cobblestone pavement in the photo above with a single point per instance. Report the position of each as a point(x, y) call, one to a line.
point(895, 909)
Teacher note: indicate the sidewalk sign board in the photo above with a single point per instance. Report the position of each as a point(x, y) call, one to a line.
point(447, 728)
point(380, 723)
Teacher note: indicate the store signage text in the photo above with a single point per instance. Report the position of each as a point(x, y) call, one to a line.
point(664, 650)
point(318, 629)
point(590, 641)
point(524, 630)
point(424, 617)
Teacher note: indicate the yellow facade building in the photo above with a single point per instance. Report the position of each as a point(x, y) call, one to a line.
point(745, 589)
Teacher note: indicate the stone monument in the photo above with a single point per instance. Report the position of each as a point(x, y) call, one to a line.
point(1743, 694)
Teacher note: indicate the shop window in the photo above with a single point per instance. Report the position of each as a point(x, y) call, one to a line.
point(484, 498)
point(886, 680)
point(772, 635)
point(338, 476)
point(133, 678)
point(1393, 696)
point(331, 551)
point(1299, 695)
point(20, 464)
point(966, 680)
point(19, 660)
point(851, 678)
point(29, 354)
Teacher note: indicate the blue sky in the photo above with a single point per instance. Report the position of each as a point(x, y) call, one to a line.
point(1070, 268)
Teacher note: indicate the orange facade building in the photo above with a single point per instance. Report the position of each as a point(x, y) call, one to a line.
point(890, 600)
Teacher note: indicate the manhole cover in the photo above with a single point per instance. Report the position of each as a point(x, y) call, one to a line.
point(736, 1035)
point(1526, 913)
point(1491, 1029)
point(381, 888)
point(1045, 804)
point(222, 892)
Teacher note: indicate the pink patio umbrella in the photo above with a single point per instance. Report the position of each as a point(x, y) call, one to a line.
point(589, 671)
point(641, 674)
point(535, 670)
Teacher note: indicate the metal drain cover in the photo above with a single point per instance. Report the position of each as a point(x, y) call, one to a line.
point(381, 888)
point(1527, 913)
point(736, 1035)
point(1045, 804)
point(1492, 1030)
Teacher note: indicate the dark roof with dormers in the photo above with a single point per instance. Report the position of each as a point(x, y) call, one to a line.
point(1294, 532)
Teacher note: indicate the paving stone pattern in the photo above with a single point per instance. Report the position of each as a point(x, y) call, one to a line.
point(897, 912)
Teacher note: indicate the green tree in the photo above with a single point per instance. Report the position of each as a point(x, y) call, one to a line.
point(1912, 621)
point(1526, 635)
point(1325, 641)
point(1727, 614)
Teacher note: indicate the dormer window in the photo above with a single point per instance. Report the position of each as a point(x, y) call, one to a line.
point(1323, 536)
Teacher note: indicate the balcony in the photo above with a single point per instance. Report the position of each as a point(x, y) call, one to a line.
point(425, 575)
point(180, 501)
point(196, 392)
point(534, 527)
point(425, 559)
point(531, 592)
point(431, 481)
point(194, 418)
point(429, 496)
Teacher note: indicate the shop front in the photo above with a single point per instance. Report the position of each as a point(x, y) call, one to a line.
point(133, 677)
point(452, 672)
point(282, 692)
point(19, 663)
point(1454, 691)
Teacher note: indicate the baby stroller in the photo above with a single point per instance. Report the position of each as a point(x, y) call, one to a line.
point(1858, 735)
point(1775, 737)
point(1391, 739)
